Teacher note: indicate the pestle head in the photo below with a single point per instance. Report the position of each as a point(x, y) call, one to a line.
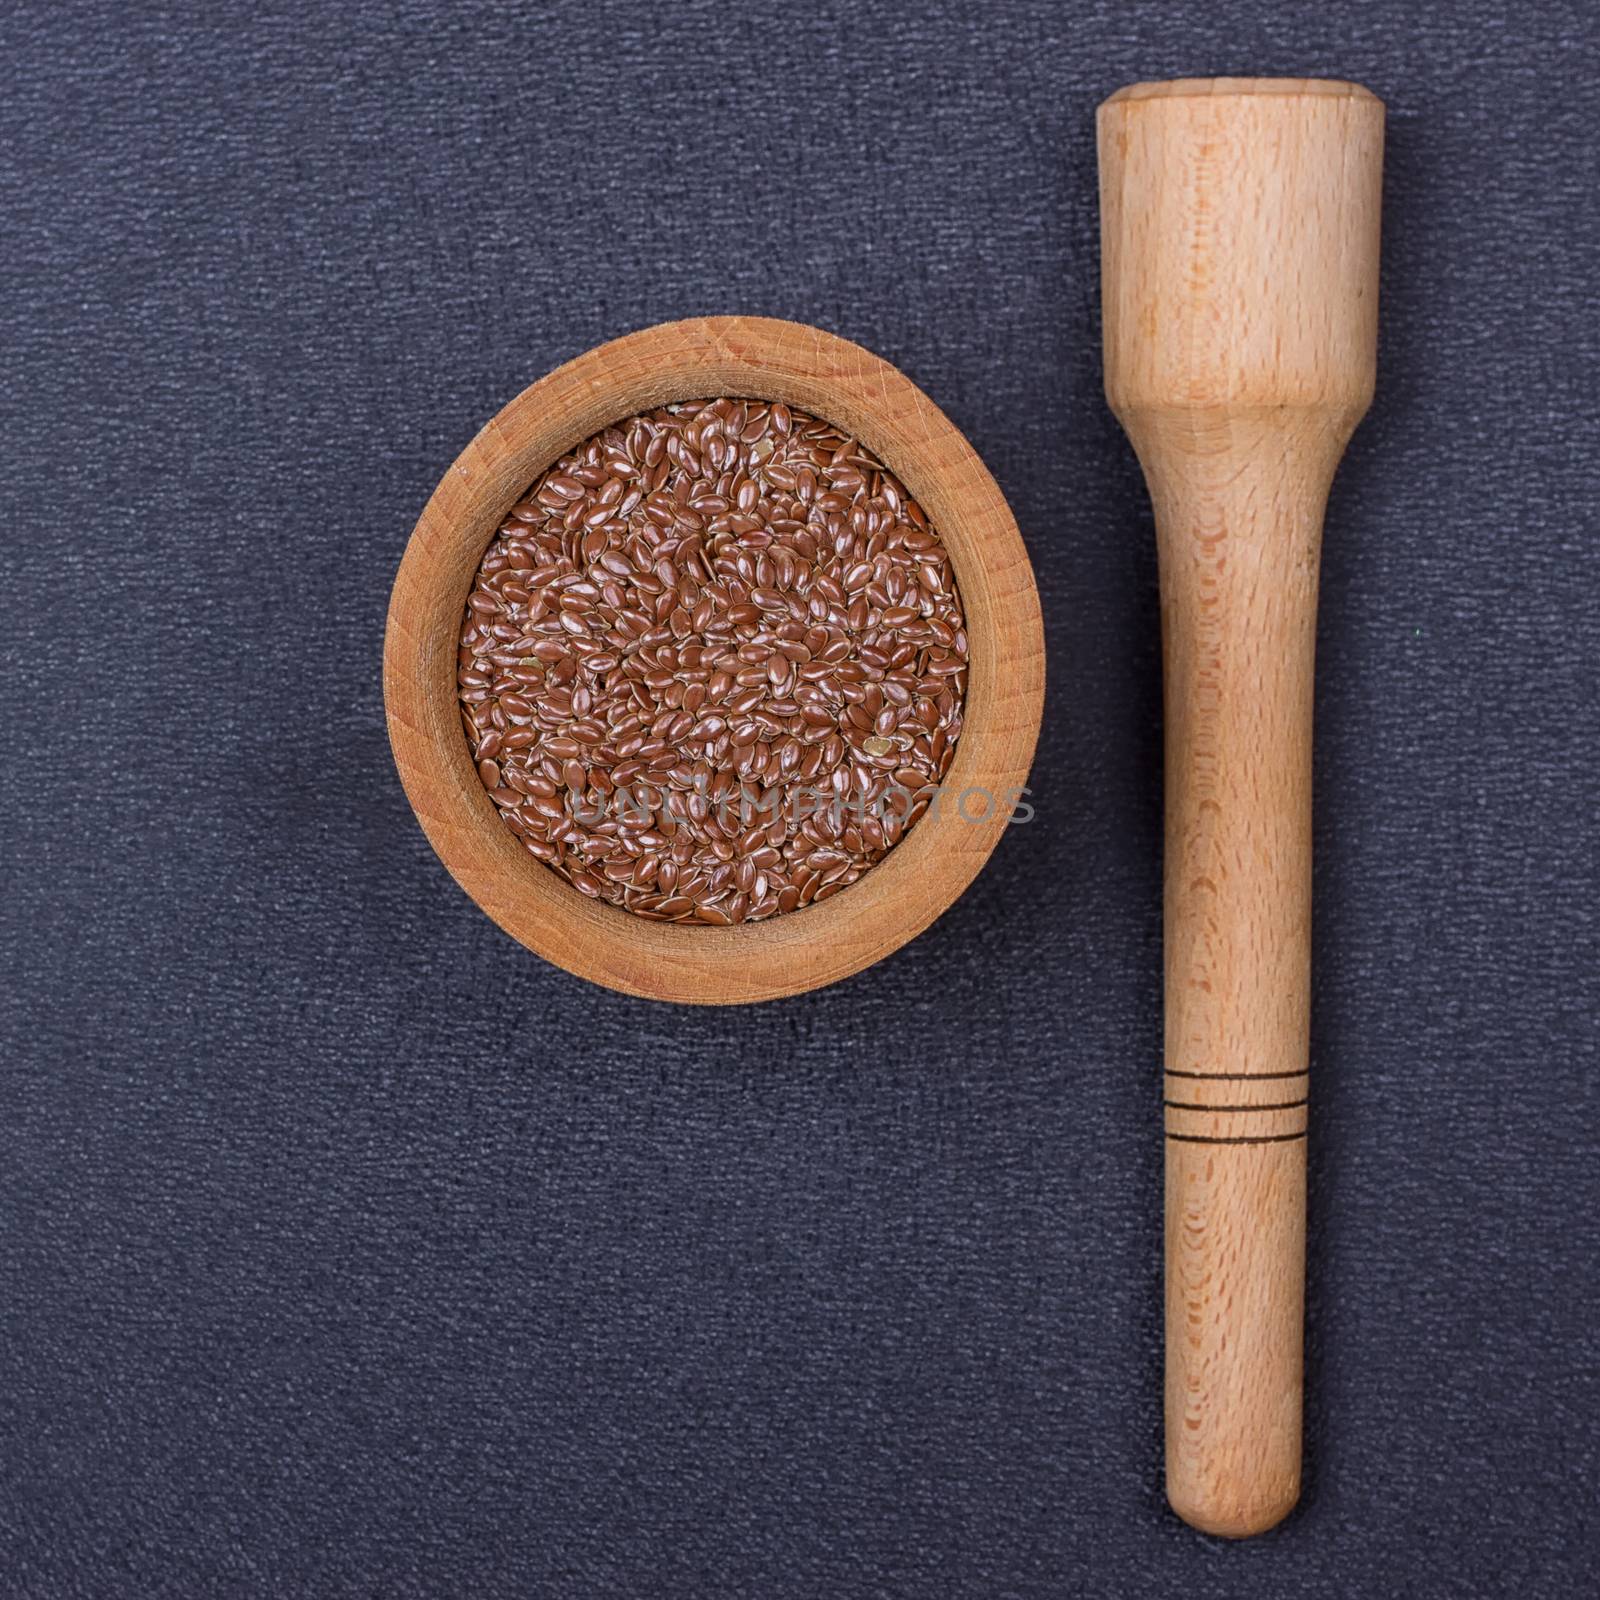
point(1239, 245)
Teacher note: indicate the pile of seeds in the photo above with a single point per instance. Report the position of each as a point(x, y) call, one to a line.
point(713, 664)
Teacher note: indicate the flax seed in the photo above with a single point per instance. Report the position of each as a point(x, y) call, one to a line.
point(713, 663)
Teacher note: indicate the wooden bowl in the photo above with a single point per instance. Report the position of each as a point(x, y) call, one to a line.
point(751, 358)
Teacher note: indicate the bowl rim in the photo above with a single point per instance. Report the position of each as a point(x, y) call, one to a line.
point(755, 358)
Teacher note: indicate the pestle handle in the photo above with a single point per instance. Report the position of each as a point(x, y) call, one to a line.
point(1239, 235)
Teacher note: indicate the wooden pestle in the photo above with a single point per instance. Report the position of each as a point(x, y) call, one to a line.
point(1239, 238)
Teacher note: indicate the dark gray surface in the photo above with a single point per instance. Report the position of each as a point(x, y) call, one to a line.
point(345, 1248)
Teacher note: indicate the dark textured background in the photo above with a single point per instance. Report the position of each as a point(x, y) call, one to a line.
point(345, 1248)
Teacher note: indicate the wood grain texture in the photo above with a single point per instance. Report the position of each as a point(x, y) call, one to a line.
point(754, 358)
point(1239, 260)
